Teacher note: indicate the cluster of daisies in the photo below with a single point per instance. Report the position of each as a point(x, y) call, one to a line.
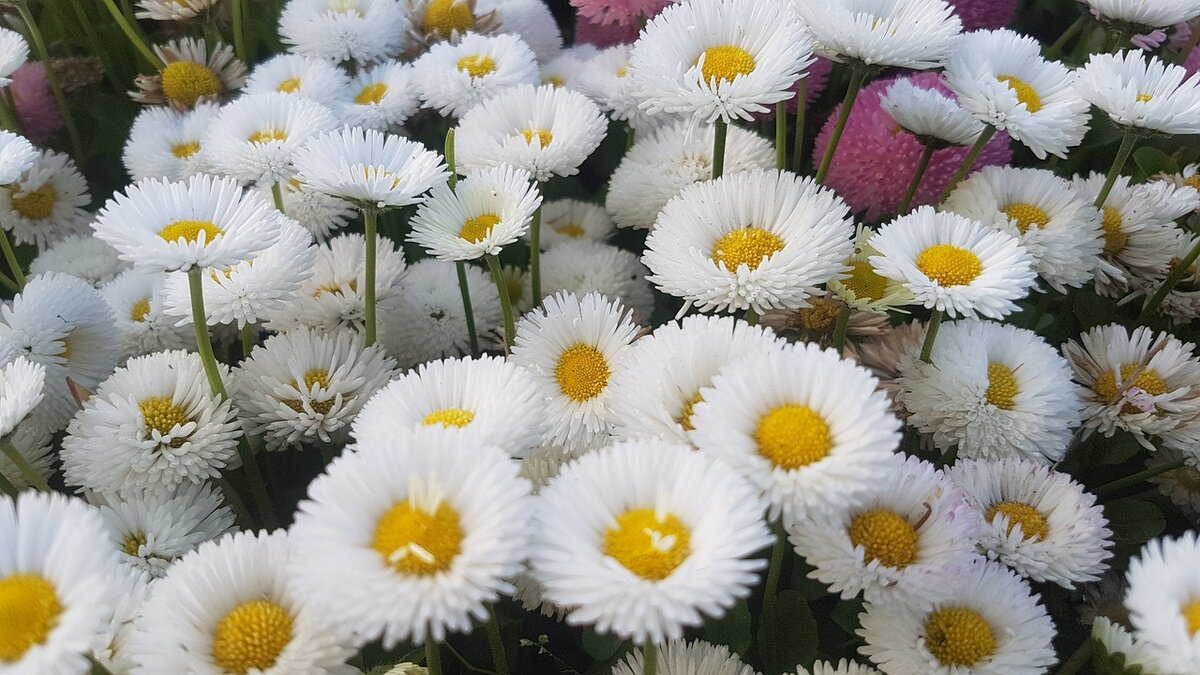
point(785, 376)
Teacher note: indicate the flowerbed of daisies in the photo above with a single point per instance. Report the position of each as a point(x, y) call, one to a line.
point(629, 337)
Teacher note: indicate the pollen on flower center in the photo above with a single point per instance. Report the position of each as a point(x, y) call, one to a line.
point(724, 63)
point(648, 546)
point(416, 542)
point(1147, 380)
point(251, 637)
point(957, 636)
point(267, 135)
point(1026, 216)
point(162, 415)
point(582, 372)
point(189, 231)
point(185, 82)
point(543, 136)
point(320, 378)
point(476, 65)
point(685, 413)
point(447, 16)
point(1191, 614)
point(569, 230)
point(133, 543)
point(793, 436)
point(36, 204)
point(1115, 238)
point(449, 417)
point(29, 610)
point(289, 86)
point(554, 81)
point(949, 265)
point(139, 310)
point(747, 246)
point(371, 94)
point(864, 282)
point(478, 228)
point(1145, 98)
point(821, 314)
point(1193, 181)
point(185, 150)
point(1033, 523)
point(1002, 386)
point(1025, 93)
point(885, 536)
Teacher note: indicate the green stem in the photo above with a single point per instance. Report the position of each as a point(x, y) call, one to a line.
point(496, 644)
point(448, 153)
point(31, 475)
point(39, 46)
point(1067, 36)
point(650, 659)
point(798, 140)
point(535, 256)
point(1139, 477)
point(781, 135)
point(238, 13)
point(968, 161)
point(370, 216)
point(10, 107)
point(922, 165)
point(1178, 272)
point(241, 514)
point(277, 195)
point(433, 658)
point(839, 330)
point(8, 115)
point(750, 317)
point(472, 334)
point(11, 257)
point(510, 331)
point(1079, 659)
point(1123, 153)
point(770, 590)
point(7, 487)
point(249, 337)
point(718, 152)
point(935, 322)
point(8, 283)
point(858, 76)
point(123, 22)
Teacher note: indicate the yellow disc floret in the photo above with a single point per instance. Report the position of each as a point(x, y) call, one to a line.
point(185, 150)
point(36, 204)
point(569, 230)
point(1033, 523)
point(161, 414)
point(476, 65)
point(1002, 386)
point(1025, 93)
point(29, 610)
point(747, 246)
point(949, 265)
point(885, 536)
point(189, 231)
point(1026, 216)
point(251, 637)
point(185, 82)
point(725, 63)
point(1191, 614)
point(543, 136)
point(139, 310)
point(793, 436)
point(448, 16)
point(582, 372)
point(957, 636)
point(864, 282)
point(685, 412)
point(646, 545)
point(416, 542)
point(1147, 380)
point(289, 86)
point(371, 94)
point(267, 136)
point(1115, 239)
point(478, 228)
point(449, 417)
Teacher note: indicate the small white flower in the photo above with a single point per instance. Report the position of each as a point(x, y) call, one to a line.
point(933, 117)
point(1157, 14)
point(172, 10)
point(582, 267)
point(677, 657)
point(21, 389)
point(83, 256)
point(486, 211)
point(344, 30)
point(46, 202)
point(14, 52)
point(165, 143)
point(136, 299)
point(255, 138)
point(1142, 92)
point(317, 212)
point(916, 34)
point(17, 155)
point(1164, 601)
point(455, 77)
point(380, 97)
point(304, 76)
point(566, 220)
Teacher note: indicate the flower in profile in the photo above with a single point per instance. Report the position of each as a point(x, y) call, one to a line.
point(45, 203)
point(1162, 601)
point(486, 211)
point(379, 97)
point(194, 73)
point(304, 76)
point(915, 34)
point(362, 31)
point(582, 267)
point(17, 155)
point(136, 299)
point(21, 388)
point(678, 657)
point(172, 10)
point(256, 138)
point(1160, 14)
point(14, 52)
point(369, 168)
point(455, 77)
point(934, 117)
point(80, 255)
point(1182, 302)
point(1142, 93)
point(165, 143)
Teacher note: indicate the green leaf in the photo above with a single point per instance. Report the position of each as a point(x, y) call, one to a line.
point(845, 615)
point(1152, 160)
point(795, 632)
point(732, 630)
point(1116, 450)
point(1134, 522)
point(600, 647)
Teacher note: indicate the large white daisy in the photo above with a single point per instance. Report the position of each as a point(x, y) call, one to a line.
point(1142, 92)
point(486, 211)
point(1164, 601)
point(916, 34)
point(455, 77)
point(255, 138)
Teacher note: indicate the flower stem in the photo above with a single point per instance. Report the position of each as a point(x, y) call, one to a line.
point(448, 153)
point(496, 644)
point(1123, 153)
point(8, 115)
point(1078, 659)
point(510, 331)
point(370, 219)
point(472, 334)
point(798, 136)
point(433, 658)
point(650, 659)
point(11, 257)
point(39, 46)
point(751, 316)
point(858, 75)
point(1178, 272)
point(922, 165)
point(839, 329)
point(770, 590)
point(535, 256)
point(718, 152)
point(277, 195)
point(249, 337)
point(134, 37)
point(935, 322)
point(1068, 35)
point(1139, 477)
point(238, 13)
point(968, 161)
point(781, 135)
point(7, 282)
point(6, 486)
point(31, 475)
point(10, 108)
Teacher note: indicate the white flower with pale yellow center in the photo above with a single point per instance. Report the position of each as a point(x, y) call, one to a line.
point(45, 203)
point(986, 621)
point(933, 117)
point(530, 20)
point(719, 59)
point(380, 97)
point(296, 75)
point(153, 425)
point(806, 427)
point(424, 530)
point(756, 240)
point(80, 255)
point(256, 138)
point(1001, 78)
point(564, 68)
point(646, 538)
point(165, 143)
point(1164, 602)
point(203, 221)
point(842, 667)
point(488, 399)
point(566, 220)
point(486, 211)
point(572, 346)
point(455, 77)
point(17, 155)
point(14, 52)
point(915, 34)
point(251, 617)
point(605, 78)
point(136, 299)
point(172, 10)
point(582, 267)
point(21, 389)
point(56, 588)
point(194, 73)
point(677, 657)
point(1157, 14)
point(317, 212)
point(1141, 92)
point(362, 31)
point(861, 287)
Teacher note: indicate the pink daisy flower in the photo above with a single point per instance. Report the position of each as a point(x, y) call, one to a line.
point(39, 115)
point(978, 14)
point(622, 12)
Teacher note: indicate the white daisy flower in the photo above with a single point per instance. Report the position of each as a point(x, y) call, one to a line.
point(488, 210)
point(987, 622)
point(17, 155)
point(572, 346)
point(305, 385)
point(1158, 14)
point(194, 74)
point(303, 76)
point(56, 576)
point(531, 20)
point(153, 530)
point(424, 530)
point(153, 425)
point(544, 130)
point(678, 657)
point(110, 645)
point(605, 78)
point(719, 59)
point(256, 138)
point(862, 288)
point(455, 77)
point(565, 68)
point(906, 537)
point(582, 267)
point(1001, 78)
point(566, 220)
point(82, 256)
point(992, 391)
point(1054, 223)
point(954, 264)
point(136, 299)
point(380, 97)
point(14, 52)
point(21, 389)
point(1142, 92)
point(165, 143)
point(933, 117)
point(756, 240)
point(491, 399)
point(46, 202)
point(204, 221)
point(317, 212)
point(344, 30)
point(1117, 642)
point(1164, 602)
point(660, 165)
point(172, 10)
point(645, 538)
point(427, 321)
point(916, 34)
point(842, 667)
point(808, 428)
point(251, 617)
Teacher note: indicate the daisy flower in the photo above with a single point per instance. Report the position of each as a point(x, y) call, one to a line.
point(756, 240)
point(252, 617)
point(14, 52)
point(933, 117)
point(1159, 14)
point(565, 68)
point(362, 31)
point(988, 622)
point(303, 76)
point(1142, 93)
point(1164, 600)
point(572, 346)
point(380, 97)
point(21, 389)
point(172, 10)
point(489, 398)
point(645, 538)
point(861, 287)
point(582, 267)
point(424, 529)
point(153, 425)
point(305, 386)
point(544, 130)
point(455, 77)
point(605, 78)
point(317, 212)
point(256, 138)
point(486, 211)
point(46, 202)
point(530, 20)
point(915, 34)
point(1111, 641)
point(193, 74)
point(1001, 78)
point(55, 574)
point(204, 222)
point(566, 220)
point(842, 667)
point(136, 300)
point(678, 657)
point(165, 143)
point(17, 155)
point(82, 256)
point(719, 59)
point(806, 427)
point(954, 264)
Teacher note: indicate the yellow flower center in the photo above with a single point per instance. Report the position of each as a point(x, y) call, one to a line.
point(371, 94)
point(184, 83)
point(139, 310)
point(1002, 386)
point(949, 265)
point(320, 378)
point(1026, 216)
point(449, 417)
point(162, 415)
point(345, 7)
point(793, 436)
point(476, 65)
point(251, 637)
point(622, 72)
point(1148, 381)
point(647, 546)
point(1033, 524)
point(724, 63)
point(133, 543)
point(29, 610)
point(1115, 238)
point(189, 231)
point(957, 636)
point(478, 228)
point(747, 246)
point(1191, 614)
point(185, 150)
point(267, 136)
point(885, 536)
point(1025, 93)
point(554, 81)
point(1193, 181)
point(447, 16)
point(289, 86)
point(864, 283)
point(582, 373)
point(685, 413)
point(820, 315)
point(1145, 98)
point(543, 136)
point(569, 230)
point(36, 204)
point(416, 542)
